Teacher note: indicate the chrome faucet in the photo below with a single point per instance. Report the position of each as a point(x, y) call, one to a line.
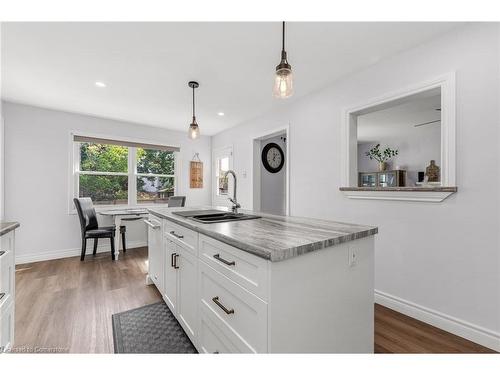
point(233, 200)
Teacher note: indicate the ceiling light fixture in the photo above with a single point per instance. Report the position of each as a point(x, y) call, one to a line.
point(283, 82)
point(194, 129)
point(100, 84)
point(220, 113)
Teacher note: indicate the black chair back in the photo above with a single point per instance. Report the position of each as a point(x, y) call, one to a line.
point(176, 201)
point(86, 214)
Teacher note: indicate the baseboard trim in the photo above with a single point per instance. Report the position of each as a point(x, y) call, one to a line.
point(469, 331)
point(67, 253)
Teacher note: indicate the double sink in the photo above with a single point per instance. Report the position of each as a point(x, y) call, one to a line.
point(214, 216)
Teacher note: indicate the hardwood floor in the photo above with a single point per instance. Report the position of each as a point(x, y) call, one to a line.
point(398, 333)
point(66, 305)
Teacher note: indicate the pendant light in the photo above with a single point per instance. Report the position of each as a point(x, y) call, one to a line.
point(283, 82)
point(194, 129)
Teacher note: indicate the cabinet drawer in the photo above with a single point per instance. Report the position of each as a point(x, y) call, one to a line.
point(240, 313)
point(6, 323)
point(7, 242)
point(7, 273)
point(247, 270)
point(213, 339)
point(182, 236)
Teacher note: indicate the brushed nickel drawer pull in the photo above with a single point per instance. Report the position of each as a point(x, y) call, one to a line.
point(1, 296)
point(172, 259)
point(179, 236)
point(216, 352)
point(2, 253)
point(151, 225)
point(175, 260)
point(217, 256)
point(216, 300)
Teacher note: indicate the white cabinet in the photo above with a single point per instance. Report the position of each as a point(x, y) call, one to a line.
point(230, 301)
point(6, 323)
point(170, 294)
point(156, 254)
point(181, 272)
point(7, 290)
point(187, 300)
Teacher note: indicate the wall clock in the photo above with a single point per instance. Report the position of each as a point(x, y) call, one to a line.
point(273, 157)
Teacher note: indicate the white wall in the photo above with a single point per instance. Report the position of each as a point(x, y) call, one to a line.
point(443, 257)
point(37, 176)
point(415, 152)
point(272, 185)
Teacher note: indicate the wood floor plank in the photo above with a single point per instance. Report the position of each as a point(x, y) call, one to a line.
point(67, 305)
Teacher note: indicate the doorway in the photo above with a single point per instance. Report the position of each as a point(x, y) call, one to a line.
point(271, 172)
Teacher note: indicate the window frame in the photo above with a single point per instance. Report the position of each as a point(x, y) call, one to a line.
point(132, 174)
point(348, 167)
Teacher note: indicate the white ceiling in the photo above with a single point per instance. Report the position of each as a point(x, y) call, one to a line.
point(399, 120)
point(146, 66)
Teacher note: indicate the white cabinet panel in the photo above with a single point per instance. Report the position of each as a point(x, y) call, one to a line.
point(213, 339)
point(156, 254)
point(170, 283)
point(243, 313)
point(187, 300)
point(7, 272)
point(245, 269)
point(187, 238)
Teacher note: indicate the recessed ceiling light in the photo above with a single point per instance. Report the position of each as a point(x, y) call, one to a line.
point(220, 113)
point(100, 84)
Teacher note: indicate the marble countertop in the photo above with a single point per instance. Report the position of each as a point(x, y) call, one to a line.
point(7, 226)
point(272, 237)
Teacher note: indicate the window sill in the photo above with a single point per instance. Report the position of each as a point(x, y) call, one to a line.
point(412, 194)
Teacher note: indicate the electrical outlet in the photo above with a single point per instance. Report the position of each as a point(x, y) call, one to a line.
point(353, 256)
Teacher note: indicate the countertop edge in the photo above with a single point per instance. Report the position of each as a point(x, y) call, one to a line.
point(9, 227)
point(291, 253)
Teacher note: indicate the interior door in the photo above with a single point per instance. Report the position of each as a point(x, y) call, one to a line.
point(187, 286)
point(170, 284)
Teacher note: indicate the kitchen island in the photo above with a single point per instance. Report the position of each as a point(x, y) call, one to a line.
point(268, 285)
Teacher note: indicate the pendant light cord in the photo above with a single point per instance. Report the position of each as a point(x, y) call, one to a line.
point(283, 47)
point(193, 101)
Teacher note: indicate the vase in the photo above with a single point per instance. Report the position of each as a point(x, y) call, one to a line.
point(382, 166)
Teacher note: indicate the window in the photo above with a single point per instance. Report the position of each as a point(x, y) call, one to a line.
point(155, 175)
point(113, 172)
point(415, 130)
point(223, 161)
point(222, 179)
point(103, 173)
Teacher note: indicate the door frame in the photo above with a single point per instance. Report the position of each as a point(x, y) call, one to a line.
point(255, 165)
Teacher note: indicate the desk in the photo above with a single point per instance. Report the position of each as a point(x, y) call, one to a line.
point(117, 216)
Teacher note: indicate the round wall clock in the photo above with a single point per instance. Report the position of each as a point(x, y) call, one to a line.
point(273, 157)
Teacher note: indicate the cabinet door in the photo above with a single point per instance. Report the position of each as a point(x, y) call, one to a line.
point(170, 283)
point(155, 253)
point(187, 310)
point(6, 324)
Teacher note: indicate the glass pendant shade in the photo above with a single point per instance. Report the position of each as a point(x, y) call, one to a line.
point(283, 83)
point(283, 79)
point(194, 130)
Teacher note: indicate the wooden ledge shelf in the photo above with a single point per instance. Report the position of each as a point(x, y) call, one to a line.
point(413, 194)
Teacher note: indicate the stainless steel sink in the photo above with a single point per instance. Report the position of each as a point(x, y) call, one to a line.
point(214, 216)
